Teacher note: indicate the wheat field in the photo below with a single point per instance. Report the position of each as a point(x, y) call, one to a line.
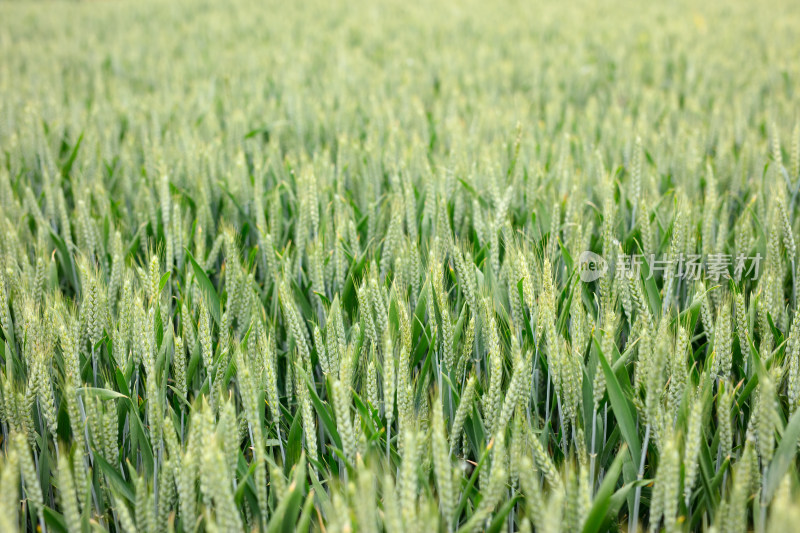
point(399, 266)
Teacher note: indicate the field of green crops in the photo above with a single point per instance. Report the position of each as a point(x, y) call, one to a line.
point(399, 266)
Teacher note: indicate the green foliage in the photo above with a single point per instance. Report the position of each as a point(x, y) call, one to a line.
point(278, 268)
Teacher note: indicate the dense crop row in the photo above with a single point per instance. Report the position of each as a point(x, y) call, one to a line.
point(266, 269)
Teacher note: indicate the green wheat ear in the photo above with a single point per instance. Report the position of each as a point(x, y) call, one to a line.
point(306, 274)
